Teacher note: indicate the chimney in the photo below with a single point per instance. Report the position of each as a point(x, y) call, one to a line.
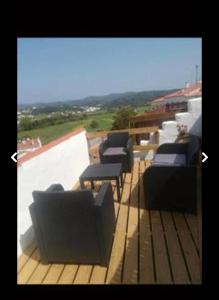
point(187, 85)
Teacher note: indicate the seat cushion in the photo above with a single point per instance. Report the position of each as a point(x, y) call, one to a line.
point(169, 159)
point(114, 151)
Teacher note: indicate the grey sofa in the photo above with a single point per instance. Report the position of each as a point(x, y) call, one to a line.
point(170, 183)
point(74, 226)
point(117, 148)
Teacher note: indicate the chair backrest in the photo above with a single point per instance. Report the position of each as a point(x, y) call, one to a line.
point(118, 139)
point(66, 218)
point(193, 149)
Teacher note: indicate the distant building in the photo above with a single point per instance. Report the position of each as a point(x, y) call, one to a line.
point(28, 145)
point(177, 101)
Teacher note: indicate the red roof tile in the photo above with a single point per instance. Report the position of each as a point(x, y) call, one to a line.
point(192, 90)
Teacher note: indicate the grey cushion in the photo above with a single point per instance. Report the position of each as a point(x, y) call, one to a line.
point(114, 151)
point(169, 159)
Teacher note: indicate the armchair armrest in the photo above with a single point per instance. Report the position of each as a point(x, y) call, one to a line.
point(105, 194)
point(172, 148)
point(55, 188)
point(130, 153)
point(129, 146)
point(105, 220)
point(103, 146)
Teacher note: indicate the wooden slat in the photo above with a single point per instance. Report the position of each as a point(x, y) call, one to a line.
point(130, 269)
point(98, 275)
point(146, 147)
point(132, 131)
point(83, 274)
point(53, 274)
point(151, 116)
point(142, 167)
point(39, 274)
point(193, 226)
point(189, 249)
point(68, 274)
point(163, 273)
point(135, 175)
point(180, 274)
point(146, 266)
point(76, 186)
point(23, 258)
point(114, 272)
point(29, 268)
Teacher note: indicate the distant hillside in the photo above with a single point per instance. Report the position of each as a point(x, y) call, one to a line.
point(116, 99)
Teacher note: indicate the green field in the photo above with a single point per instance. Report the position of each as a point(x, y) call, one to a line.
point(51, 133)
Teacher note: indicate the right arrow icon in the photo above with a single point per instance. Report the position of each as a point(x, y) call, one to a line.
point(205, 157)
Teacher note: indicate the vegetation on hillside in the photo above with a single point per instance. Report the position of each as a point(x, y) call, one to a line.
point(121, 119)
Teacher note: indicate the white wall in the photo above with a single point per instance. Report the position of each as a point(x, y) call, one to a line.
point(62, 163)
point(192, 118)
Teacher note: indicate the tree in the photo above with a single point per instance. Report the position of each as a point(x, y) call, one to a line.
point(25, 124)
point(121, 119)
point(94, 124)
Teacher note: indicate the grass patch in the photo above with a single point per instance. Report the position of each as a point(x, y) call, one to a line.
point(50, 133)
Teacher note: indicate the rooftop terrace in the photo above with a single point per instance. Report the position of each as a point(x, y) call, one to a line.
point(149, 247)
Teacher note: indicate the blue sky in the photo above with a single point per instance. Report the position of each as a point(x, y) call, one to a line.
point(56, 69)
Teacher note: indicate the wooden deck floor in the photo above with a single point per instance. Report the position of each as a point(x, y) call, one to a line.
point(149, 247)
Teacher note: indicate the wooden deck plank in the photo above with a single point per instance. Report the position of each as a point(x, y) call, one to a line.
point(163, 273)
point(98, 275)
point(130, 269)
point(22, 260)
point(180, 274)
point(114, 272)
point(53, 274)
point(192, 221)
point(68, 274)
point(39, 274)
point(189, 249)
point(142, 167)
point(76, 186)
point(29, 267)
point(83, 274)
point(146, 266)
point(116, 261)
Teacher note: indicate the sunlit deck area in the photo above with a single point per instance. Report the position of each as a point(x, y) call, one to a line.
point(149, 247)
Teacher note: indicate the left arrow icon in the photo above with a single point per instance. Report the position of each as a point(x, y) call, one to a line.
point(13, 157)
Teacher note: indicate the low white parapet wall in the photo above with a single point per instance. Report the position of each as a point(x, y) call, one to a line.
point(61, 161)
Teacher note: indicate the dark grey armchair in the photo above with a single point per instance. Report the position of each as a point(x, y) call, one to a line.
point(117, 148)
point(74, 226)
point(170, 183)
